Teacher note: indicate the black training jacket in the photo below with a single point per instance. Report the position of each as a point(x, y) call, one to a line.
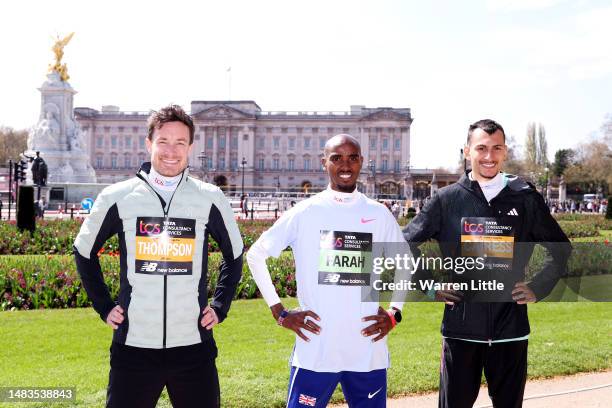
point(518, 205)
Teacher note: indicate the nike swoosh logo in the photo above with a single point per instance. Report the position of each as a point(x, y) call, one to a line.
point(370, 396)
point(364, 221)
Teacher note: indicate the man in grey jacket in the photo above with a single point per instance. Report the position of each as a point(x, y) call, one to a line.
point(162, 321)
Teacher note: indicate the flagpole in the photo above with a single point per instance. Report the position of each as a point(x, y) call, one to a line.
point(229, 84)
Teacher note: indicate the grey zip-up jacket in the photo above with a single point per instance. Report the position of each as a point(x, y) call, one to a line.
point(163, 259)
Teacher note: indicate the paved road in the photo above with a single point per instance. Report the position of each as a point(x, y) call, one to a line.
point(575, 389)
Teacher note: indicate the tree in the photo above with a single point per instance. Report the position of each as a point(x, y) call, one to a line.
point(12, 143)
point(592, 167)
point(514, 163)
point(563, 158)
point(531, 148)
point(536, 151)
point(542, 147)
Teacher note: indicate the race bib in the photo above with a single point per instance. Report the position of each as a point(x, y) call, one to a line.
point(345, 258)
point(165, 246)
point(488, 238)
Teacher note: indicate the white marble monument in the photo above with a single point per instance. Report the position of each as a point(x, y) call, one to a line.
point(57, 136)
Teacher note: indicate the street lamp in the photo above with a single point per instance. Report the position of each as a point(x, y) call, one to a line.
point(408, 181)
point(407, 167)
point(243, 164)
point(546, 170)
point(203, 164)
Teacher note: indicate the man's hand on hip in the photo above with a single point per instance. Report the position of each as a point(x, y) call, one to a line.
point(115, 317)
point(381, 327)
point(296, 320)
point(209, 318)
point(450, 297)
point(522, 294)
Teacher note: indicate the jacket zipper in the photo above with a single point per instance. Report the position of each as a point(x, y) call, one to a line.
point(166, 212)
point(482, 197)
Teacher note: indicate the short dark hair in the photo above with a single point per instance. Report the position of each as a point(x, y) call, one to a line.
point(170, 113)
point(488, 125)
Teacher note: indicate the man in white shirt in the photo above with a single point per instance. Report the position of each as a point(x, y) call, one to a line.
point(339, 337)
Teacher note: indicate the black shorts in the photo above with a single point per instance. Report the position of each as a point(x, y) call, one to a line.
point(138, 376)
point(504, 365)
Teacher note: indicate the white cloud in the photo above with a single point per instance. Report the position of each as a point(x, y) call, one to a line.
point(521, 5)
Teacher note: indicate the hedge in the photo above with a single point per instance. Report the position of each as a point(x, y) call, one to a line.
point(57, 236)
point(51, 281)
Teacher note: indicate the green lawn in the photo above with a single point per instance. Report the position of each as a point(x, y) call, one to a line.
point(70, 348)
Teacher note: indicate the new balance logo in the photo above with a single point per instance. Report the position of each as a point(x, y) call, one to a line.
point(513, 212)
point(332, 278)
point(148, 267)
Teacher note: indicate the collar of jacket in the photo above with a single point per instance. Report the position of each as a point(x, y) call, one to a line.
point(514, 184)
point(145, 168)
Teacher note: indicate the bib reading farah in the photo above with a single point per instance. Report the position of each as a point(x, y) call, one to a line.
point(165, 246)
point(345, 258)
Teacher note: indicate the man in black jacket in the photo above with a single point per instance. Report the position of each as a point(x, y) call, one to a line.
point(483, 209)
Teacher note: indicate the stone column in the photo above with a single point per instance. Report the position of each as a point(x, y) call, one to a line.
point(378, 149)
point(241, 144)
point(215, 165)
point(365, 143)
point(249, 155)
point(405, 146)
point(228, 144)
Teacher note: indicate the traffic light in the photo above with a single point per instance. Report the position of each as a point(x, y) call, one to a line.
point(20, 170)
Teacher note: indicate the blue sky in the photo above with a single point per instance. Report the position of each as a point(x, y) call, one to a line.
point(451, 62)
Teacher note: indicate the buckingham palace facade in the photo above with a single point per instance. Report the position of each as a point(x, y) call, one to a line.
point(269, 150)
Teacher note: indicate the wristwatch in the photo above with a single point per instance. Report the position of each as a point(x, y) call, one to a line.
point(282, 316)
point(395, 315)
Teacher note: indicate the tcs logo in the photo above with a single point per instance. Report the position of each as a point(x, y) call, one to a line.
point(467, 227)
point(149, 228)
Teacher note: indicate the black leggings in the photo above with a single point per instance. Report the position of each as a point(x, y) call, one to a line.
point(505, 368)
point(138, 376)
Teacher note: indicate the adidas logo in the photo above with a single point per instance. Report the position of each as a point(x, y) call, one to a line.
point(513, 212)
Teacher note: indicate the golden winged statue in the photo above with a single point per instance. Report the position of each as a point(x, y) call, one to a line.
point(58, 50)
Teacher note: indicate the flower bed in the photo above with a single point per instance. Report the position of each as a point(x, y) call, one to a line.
point(57, 237)
point(51, 281)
